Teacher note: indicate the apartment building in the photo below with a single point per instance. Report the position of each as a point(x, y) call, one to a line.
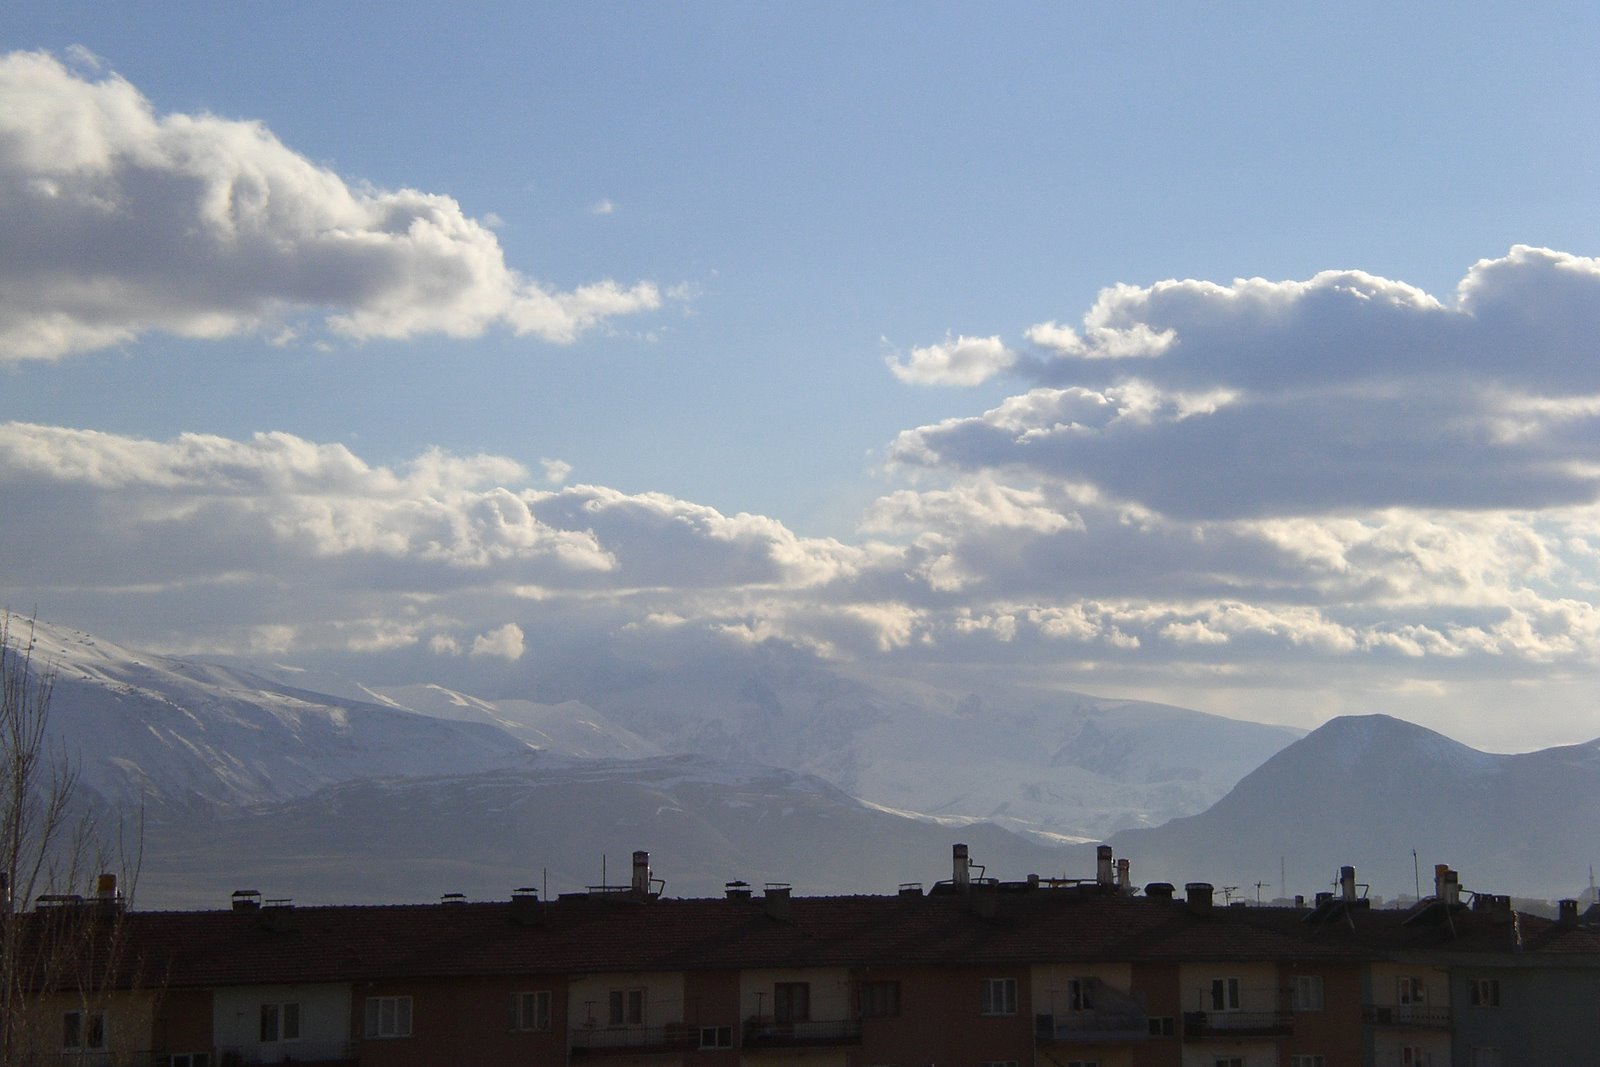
point(973, 972)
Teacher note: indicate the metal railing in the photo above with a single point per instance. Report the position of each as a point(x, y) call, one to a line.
point(763, 1031)
point(623, 1040)
point(1202, 1024)
point(1425, 1016)
point(1093, 1025)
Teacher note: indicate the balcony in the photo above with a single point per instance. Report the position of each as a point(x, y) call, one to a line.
point(633, 1040)
point(1078, 1027)
point(1415, 1016)
point(763, 1031)
point(1200, 1025)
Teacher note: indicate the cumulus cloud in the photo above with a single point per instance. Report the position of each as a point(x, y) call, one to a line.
point(504, 642)
point(118, 221)
point(1261, 398)
point(958, 361)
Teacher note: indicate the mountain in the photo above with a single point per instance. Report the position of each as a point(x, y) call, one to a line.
point(170, 733)
point(561, 825)
point(1366, 791)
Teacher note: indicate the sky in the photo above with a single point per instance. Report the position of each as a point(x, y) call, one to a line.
point(1240, 357)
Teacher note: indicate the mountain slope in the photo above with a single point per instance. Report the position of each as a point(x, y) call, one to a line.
point(559, 824)
point(1367, 790)
point(173, 733)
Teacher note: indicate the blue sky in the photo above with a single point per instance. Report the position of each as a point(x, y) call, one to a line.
point(808, 285)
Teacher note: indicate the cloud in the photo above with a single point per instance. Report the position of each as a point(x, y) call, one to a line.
point(1261, 398)
point(962, 361)
point(118, 221)
point(504, 642)
point(603, 207)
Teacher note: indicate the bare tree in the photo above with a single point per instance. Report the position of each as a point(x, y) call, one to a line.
point(54, 943)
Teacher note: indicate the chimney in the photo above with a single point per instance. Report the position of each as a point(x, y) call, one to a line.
point(776, 902)
point(1567, 912)
point(108, 898)
point(1123, 870)
point(641, 873)
point(453, 898)
point(1347, 884)
point(277, 915)
point(1102, 865)
point(1159, 890)
point(1299, 900)
point(1198, 895)
point(961, 874)
point(1446, 885)
point(525, 910)
point(247, 900)
point(736, 890)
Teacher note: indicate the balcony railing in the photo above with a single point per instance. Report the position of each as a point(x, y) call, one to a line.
point(633, 1040)
point(1204, 1024)
point(1097, 1026)
point(1423, 1016)
point(763, 1031)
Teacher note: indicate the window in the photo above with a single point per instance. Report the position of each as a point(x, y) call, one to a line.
point(1409, 990)
point(388, 1017)
point(1224, 995)
point(999, 996)
point(530, 1011)
point(1080, 994)
point(1304, 1060)
point(880, 1000)
point(1163, 1026)
point(1484, 992)
point(1415, 1056)
point(716, 1037)
point(625, 1007)
point(1228, 1061)
point(791, 1002)
point(83, 1031)
point(1306, 994)
point(184, 1059)
point(280, 1022)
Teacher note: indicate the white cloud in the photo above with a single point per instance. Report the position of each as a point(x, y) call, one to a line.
point(603, 207)
point(1346, 391)
point(555, 471)
point(504, 642)
point(119, 221)
point(962, 361)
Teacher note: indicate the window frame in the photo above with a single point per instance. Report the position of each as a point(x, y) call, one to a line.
point(1312, 987)
point(879, 999)
point(627, 1007)
point(1410, 991)
point(1483, 992)
point(373, 1028)
point(721, 1038)
point(791, 1002)
point(285, 1015)
point(83, 1031)
point(989, 1004)
point(1227, 993)
point(530, 1011)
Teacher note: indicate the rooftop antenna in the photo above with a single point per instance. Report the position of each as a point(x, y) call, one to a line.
point(1258, 891)
point(1227, 893)
point(1416, 873)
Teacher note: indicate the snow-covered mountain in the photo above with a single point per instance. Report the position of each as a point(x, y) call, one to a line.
point(561, 825)
point(1366, 791)
point(163, 732)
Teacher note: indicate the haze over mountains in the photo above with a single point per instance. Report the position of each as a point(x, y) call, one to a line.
point(327, 789)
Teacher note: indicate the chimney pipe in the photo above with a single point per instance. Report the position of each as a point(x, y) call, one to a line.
point(1567, 912)
point(525, 910)
point(961, 874)
point(641, 873)
point(1159, 890)
point(1198, 895)
point(1347, 884)
point(1102, 867)
point(776, 902)
point(736, 890)
point(1123, 882)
